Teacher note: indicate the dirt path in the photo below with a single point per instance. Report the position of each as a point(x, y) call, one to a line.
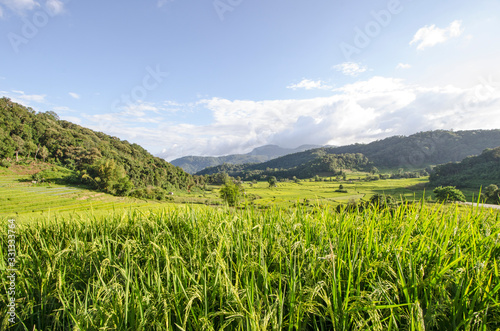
point(481, 205)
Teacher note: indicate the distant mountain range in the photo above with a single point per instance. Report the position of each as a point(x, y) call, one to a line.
point(410, 152)
point(194, 164)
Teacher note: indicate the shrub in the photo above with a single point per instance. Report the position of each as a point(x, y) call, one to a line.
point(448, 193)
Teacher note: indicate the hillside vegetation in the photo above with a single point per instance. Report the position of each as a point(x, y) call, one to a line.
point(99, 160)
point(413, 152)
point(193, 164)
point(475, 171)
point(300, 165)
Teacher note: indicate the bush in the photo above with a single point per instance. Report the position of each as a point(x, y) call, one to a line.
point(448, 193)
point(5, 163)
point(230, 193)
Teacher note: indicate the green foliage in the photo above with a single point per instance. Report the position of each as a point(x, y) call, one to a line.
point(492, 194)
point(473, 172)
point(382, 200)
point(288, 167)
point(109, 177)
point(449, 193)
point(230, 193)
point(272, 181)
point(25, 133)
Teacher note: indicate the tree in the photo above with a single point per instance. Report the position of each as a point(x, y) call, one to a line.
point(272, 181)
point(382, 200)
point(107, 176)
point(30, 147)
point(492, 194)
point(449, 193)
point(230, 193)
point(18, 144)
point(44, 153)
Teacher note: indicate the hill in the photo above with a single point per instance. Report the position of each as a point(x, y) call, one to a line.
point(101, 161)
point(194, 164)
point(411, 152)
point(474, 172)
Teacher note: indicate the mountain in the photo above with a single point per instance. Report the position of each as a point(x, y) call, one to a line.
point(194, 164)
point(411, 152)
point(474, 171)
point(96, 159)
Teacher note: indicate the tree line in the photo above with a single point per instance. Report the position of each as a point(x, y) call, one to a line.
point(98, 160)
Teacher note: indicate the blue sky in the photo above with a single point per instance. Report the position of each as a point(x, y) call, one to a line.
point(217, 77)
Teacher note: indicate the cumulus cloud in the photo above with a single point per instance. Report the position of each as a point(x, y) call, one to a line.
point(352, 69)
point(309, 84)
point(360, 112)
point(429, 36)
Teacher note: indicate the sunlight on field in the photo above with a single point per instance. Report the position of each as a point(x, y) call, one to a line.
point(202, 268)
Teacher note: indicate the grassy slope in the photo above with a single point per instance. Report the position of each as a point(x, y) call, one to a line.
point(20, 197)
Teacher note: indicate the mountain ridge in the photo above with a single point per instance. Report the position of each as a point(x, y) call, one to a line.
point(193, 164)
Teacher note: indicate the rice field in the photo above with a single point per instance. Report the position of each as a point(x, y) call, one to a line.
point(417, 267)
point(20, 198)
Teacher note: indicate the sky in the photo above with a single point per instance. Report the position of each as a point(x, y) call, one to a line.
point(218, 77)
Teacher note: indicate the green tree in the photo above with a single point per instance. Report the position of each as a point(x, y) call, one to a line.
point(44, 153)
point(272, 181)
point(30, 147)
point(492, 194)
point(382, 200)
point(230, 193)
point(18, 145)
point(107, 176)
point(448, 193)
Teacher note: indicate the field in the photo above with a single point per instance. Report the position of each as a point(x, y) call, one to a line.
point(200, 268)
point(91, 261)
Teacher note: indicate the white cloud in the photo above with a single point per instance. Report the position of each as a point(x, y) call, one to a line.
point(74, 95)
point(360, 112)
point(429, 36)
point(20, 6)
point(26, 99)
point(55, 6)
point(403, 66)
point(352, 69)
point(309, 84)
point(1, 12)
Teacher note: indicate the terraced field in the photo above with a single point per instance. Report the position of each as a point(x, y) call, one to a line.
point(19, 196)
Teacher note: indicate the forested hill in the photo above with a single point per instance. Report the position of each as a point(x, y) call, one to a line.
point(476, 171)
point(106, 162)
point(424, 148)
point(412, 152)
point(193, 164)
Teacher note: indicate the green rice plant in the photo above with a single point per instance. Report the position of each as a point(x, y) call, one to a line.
point(415, 267)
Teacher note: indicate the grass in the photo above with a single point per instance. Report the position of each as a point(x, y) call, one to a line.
point(416, 267)
point(20, 198)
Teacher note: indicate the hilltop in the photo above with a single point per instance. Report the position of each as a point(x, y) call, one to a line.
point(101, 161)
